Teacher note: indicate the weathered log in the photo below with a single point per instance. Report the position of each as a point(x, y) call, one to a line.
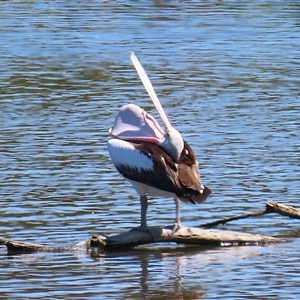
point(133, 238)
point(271, 207)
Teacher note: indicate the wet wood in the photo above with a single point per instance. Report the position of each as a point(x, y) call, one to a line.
point(271, 207)
point(186, 235)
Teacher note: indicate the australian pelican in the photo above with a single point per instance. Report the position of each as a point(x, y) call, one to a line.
point(157, 162)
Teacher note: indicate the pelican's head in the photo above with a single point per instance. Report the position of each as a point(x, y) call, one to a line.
point(134, 124)
point(172, 143)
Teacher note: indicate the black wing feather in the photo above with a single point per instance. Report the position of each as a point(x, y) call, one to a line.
point(181, 179)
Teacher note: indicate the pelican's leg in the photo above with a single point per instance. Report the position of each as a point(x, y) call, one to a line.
point(144, 227)
point(144, 207)
point(177, 224)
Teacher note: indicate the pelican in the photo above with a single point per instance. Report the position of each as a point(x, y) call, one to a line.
point(156, 162)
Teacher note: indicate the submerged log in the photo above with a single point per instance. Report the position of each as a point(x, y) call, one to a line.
point(16, 247)
point(133, 238)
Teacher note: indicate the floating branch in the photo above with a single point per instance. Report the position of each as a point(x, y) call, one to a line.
point(233, 218)
point(271, 207)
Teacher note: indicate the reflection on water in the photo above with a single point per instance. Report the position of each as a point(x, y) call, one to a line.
point(227, 74)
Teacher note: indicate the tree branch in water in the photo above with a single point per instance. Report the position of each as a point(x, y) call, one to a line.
point(271, 207)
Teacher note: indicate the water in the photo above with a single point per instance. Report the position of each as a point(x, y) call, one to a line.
point(227, 74)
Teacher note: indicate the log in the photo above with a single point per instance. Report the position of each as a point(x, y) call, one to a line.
point(185, 235)
point(98, 244)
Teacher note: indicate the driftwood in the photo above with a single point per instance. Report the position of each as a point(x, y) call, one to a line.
point(186, 235)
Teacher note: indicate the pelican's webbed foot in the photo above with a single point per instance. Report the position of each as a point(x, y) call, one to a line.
point(176, 228)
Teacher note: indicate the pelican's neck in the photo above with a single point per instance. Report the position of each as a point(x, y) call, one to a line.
point(172, 143)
